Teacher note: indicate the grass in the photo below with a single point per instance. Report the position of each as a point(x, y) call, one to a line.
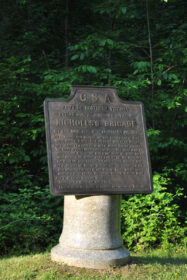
point(152, 265)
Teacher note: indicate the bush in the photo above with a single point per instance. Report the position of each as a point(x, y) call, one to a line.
point(153, 219)
point(31, 220)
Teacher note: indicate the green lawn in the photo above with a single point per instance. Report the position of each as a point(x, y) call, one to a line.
point(153, 265)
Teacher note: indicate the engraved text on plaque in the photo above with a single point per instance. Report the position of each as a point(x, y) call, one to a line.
point(96, 144)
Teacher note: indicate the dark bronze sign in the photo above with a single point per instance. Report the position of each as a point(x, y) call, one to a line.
point(96, 144)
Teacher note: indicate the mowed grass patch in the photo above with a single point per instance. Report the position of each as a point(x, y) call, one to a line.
point(152, 265)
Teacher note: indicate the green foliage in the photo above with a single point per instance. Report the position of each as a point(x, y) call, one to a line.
point(153, 219)
point(31, 219)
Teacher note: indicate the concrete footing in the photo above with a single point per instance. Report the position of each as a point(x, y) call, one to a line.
point(91, 233)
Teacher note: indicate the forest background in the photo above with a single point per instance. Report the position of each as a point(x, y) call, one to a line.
point(45, 46)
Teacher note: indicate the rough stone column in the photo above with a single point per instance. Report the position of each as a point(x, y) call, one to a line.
point(91, 232)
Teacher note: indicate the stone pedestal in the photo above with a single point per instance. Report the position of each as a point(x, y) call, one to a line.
point(91, 232)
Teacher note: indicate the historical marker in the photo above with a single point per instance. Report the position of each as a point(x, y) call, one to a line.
point(96, 144)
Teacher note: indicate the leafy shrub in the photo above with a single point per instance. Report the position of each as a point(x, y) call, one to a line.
point(31, 220)
point(153, 219)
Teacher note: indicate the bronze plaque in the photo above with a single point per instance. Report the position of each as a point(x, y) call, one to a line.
point(96, 144)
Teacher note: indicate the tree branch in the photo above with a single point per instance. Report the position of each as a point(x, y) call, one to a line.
point(66, 34)
point(151, 56)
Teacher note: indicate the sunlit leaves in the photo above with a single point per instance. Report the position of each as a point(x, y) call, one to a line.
point(152, 219)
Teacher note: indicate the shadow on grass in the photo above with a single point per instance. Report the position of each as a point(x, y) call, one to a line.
point(159, 260)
